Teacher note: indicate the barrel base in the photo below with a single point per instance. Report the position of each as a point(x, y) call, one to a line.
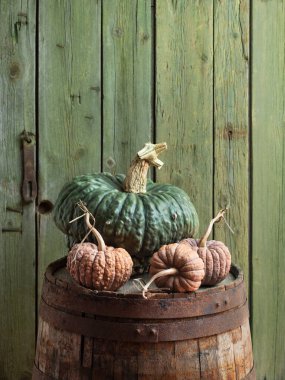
point(88, 335)
point(62, 355)
point(38, 375)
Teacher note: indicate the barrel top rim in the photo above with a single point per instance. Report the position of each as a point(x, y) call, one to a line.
point(55, 266)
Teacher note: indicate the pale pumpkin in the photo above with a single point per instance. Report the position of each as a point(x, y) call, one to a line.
point(99, 267)
point(215, 254)
point(177, 267)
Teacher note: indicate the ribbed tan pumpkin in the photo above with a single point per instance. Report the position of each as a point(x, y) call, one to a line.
point(177, 267)
point(99, 267)
point(215, 254)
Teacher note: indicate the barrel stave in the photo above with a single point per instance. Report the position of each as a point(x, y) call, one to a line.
point(142, 339)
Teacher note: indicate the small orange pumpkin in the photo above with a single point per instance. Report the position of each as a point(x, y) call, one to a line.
point(215, 254)
point(98, 267)
point(177, 267)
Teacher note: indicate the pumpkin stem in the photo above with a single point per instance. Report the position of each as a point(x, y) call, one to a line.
point(166, 272)
point(96, 233)
point(203, 240)
point(136, 178)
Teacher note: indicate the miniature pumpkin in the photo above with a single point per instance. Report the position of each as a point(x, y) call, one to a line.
point(99, 267)
point(177, 267)
point(131, 212)
point(215, 255)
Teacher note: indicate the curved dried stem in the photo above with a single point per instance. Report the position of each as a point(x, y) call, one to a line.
point(166, 272)
point(87, 214)
point(218, 217)
point(96, 233)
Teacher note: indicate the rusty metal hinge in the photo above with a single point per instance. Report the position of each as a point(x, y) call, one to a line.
point(29, 185)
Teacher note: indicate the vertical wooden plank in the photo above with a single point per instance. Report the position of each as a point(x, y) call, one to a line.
point(208, 348)
point(231, 81)
point(246, 338)
point(69, 107)
point(268, 209)
point(239, 352)
point(17, 266)
point(63, 347)
point(156, 361)
point(184, 89)
point(187, 359)
point(127, 79)
point(87, 355)
point(225, 356)
point(39, 335)
point(126, 361)
point(146, 355)
point(103, 359)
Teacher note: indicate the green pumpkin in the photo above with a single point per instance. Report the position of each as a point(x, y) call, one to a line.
point(140, 222)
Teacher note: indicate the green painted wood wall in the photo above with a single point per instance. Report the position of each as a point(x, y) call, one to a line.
point(94, 80)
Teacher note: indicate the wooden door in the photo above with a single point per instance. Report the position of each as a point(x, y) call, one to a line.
point(92, 81)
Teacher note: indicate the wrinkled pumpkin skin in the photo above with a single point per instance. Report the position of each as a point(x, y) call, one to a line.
point(139, 223)
point(99, 270)
point(216, 257)
point(185, 260)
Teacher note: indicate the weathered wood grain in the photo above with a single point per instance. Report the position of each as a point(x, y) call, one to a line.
point(225, 357)
point(246, 339)
point(156, 361)
point(202, 106)
point(17, 248)
point(63, 347)
point(231, 125)
point(103, 365)
point(268, 202)
point(69, 107)
point(184, 89)
point(239, 353)
point(126, 361)
point(208, 358)
point(148, 350)
point(87, 354)
point(127, 37)
point(187, 355)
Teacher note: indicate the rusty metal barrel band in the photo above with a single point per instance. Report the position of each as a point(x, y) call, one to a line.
point(130, 307)
point(144, 331)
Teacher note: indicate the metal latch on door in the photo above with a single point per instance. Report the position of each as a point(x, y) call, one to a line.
point(29, 185)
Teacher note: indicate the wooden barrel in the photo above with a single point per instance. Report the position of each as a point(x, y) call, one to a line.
point(85, 334)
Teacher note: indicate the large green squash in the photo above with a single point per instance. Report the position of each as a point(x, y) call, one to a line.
point(131, 211)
